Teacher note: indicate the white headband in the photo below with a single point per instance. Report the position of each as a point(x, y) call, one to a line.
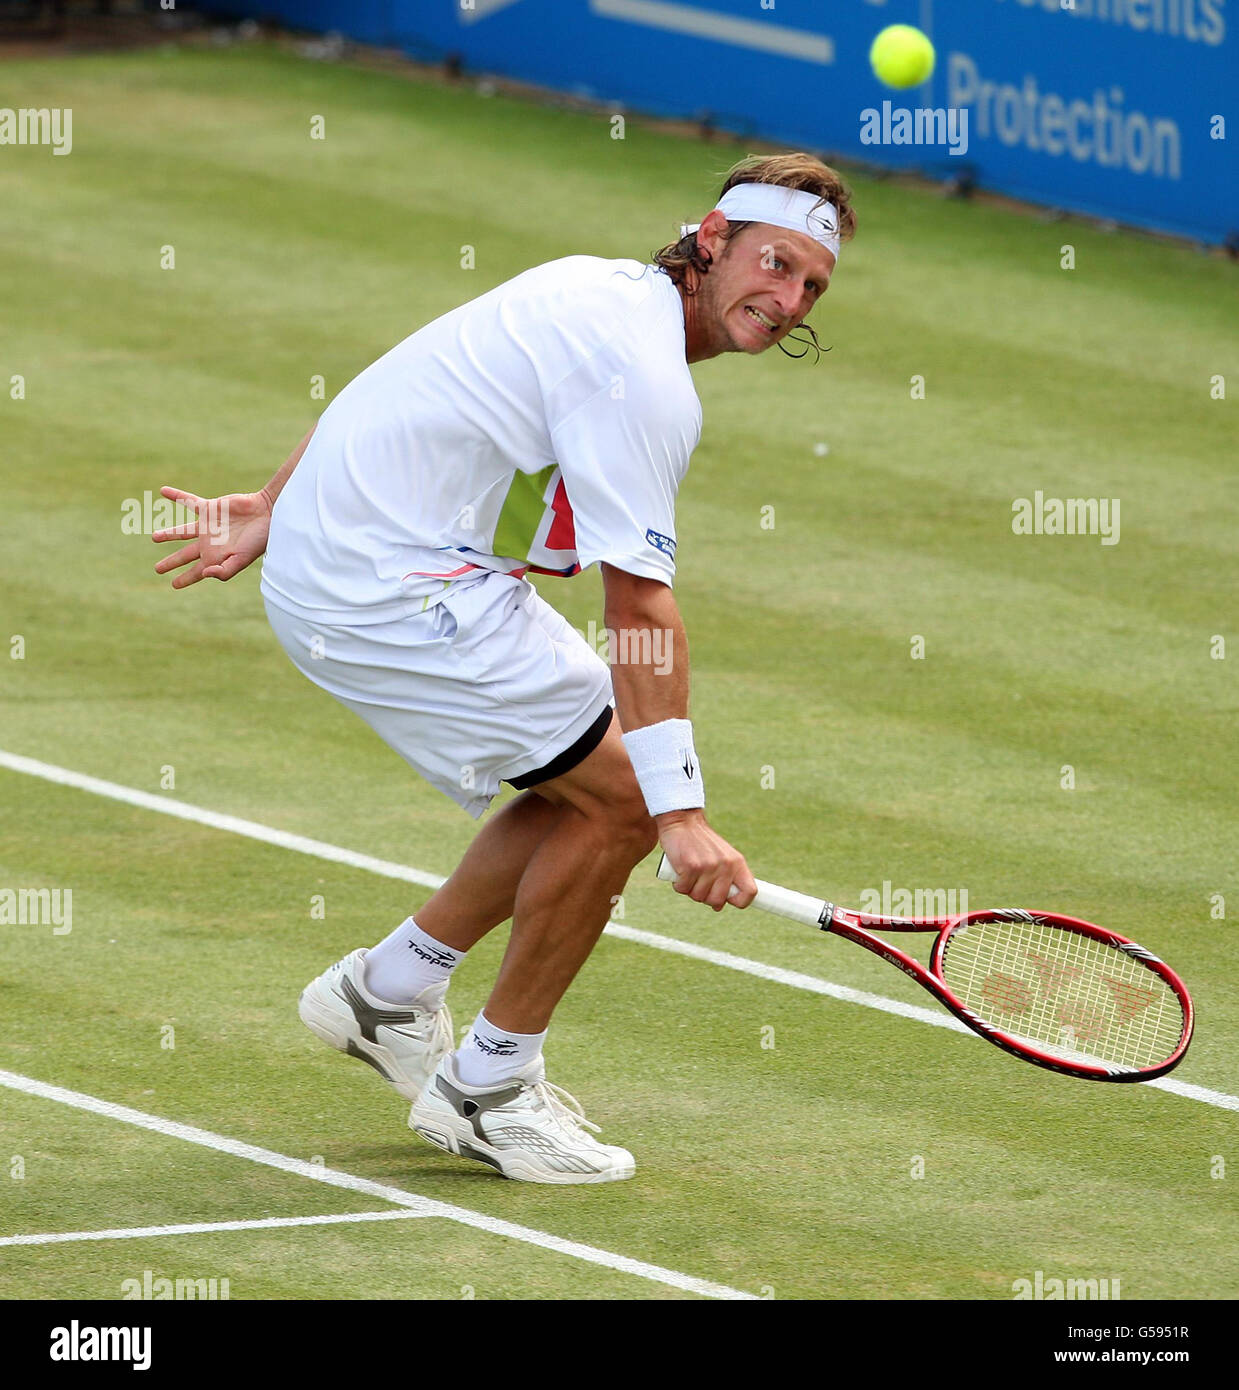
point(781, 207)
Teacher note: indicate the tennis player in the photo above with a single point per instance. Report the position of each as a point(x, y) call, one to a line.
point(539, 429)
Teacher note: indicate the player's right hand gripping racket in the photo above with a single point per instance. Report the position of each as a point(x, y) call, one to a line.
point(1053, 990)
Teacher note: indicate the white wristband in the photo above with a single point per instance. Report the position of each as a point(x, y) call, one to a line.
point(665, 761)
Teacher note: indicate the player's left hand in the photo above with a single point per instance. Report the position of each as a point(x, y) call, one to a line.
point(228, 534)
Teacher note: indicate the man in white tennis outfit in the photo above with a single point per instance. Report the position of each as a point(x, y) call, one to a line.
point(541, 428)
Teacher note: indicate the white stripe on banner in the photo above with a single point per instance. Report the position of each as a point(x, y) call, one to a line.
point(722, 28)
point(480, 9)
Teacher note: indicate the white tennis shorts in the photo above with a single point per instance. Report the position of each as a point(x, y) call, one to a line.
point(487, 685)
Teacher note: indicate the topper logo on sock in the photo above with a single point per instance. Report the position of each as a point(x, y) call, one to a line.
point(494, 1047)
point(440, 957)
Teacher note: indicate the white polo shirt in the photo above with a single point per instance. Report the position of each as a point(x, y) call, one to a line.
point(544, 426)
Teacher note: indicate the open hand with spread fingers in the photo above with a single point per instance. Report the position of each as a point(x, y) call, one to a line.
point(227, 534)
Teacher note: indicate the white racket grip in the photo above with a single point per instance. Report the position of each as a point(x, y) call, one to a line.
point(783, 902)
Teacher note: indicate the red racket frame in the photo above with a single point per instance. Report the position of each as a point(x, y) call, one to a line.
point(846, 923)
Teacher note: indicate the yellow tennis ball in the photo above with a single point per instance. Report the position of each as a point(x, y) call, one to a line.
point(902, 56)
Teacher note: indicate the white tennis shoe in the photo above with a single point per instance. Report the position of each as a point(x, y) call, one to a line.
point(527, 1128)
point(404, 1043)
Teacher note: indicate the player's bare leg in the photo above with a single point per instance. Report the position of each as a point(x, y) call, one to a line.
point(564, 901)
point(481, 892)
point(386, 1005)
point(555, 859)
point(570, 885)
point(490, 1100)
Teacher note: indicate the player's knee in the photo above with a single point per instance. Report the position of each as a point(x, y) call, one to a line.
point(642, 837)
point(629, 823)
point(645, 834)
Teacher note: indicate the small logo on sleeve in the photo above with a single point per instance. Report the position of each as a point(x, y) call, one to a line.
point(661, 542)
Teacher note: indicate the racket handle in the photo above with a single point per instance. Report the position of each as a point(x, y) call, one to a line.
point(783, 902)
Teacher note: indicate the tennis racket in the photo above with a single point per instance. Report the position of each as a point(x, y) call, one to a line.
point(1052, 990)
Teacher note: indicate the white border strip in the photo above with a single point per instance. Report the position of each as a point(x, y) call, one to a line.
point(166, 805)
point(418, 1206)
point(481, 9)
point(193, 1228)
point(722, 28)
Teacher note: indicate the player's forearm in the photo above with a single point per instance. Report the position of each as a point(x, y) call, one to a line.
point(276, 485)
point(649, 673)
point(648, 650)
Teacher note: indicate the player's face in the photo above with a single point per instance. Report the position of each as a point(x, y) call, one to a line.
point(762, 285)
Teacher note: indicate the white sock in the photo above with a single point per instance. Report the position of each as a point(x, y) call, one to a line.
point(408, 965)
point(489, 1055)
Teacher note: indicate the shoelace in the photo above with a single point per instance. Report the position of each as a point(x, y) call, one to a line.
point(437, 1030)
point(567, 1111)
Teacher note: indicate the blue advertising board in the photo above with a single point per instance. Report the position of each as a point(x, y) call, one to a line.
point(1118, 108)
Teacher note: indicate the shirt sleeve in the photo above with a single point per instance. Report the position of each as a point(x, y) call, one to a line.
point(623, 454)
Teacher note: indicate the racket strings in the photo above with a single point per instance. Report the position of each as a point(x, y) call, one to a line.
point(1070, 994)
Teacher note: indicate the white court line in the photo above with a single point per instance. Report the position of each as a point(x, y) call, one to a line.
point(936, 1017)
point(166, 805)
point(193, 1228)
point(418, 1206)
